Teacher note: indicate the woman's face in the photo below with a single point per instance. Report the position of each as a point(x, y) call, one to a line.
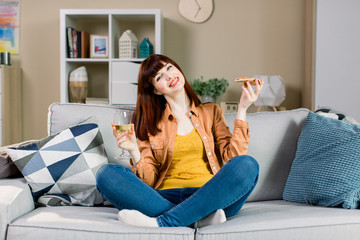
point(168, 80)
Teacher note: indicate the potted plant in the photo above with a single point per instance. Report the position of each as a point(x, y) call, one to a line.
point(209, 90)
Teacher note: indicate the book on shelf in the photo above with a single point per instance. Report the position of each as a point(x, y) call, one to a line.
point(74, 36)
point(77, 43)
point(97, 101)
point(85, 47)
point(69, 41)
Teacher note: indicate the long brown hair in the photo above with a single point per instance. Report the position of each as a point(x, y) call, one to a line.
point(150, 106)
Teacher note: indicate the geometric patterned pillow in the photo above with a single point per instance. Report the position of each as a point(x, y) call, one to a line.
point(64, 165)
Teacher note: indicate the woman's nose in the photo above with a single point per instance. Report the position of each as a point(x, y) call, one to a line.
point(167, 76)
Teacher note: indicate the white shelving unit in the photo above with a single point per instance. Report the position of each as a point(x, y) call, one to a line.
point(111, 77)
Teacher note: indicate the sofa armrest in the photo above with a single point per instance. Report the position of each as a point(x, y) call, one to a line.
point(7, 167)
point(15, 201)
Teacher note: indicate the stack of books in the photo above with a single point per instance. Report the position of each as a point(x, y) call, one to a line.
point(77, 43)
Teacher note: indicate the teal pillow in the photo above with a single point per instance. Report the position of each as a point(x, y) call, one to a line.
point(326, 168)
point(60, 169)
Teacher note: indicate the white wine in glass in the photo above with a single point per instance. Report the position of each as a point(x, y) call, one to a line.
point(121, 128)
point(122, 122)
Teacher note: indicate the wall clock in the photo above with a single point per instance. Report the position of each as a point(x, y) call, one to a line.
point(196, 11)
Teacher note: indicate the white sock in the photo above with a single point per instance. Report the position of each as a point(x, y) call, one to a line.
point(216, 217)
point(136, 218)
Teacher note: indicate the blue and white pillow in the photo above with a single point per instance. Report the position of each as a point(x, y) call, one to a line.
point(326, 168)
point(64, 165)
point(333, 113)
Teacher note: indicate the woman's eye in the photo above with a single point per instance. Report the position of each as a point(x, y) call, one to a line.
point(169, 67)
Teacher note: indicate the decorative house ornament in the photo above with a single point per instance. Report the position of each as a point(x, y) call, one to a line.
point(273, 92)
point(146, 48)
point(128, 43)
point(78, 85)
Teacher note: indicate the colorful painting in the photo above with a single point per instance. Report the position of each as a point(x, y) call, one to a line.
point(98, 46)
point(9, 26)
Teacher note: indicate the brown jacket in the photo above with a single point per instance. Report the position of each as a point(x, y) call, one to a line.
point(156, 153)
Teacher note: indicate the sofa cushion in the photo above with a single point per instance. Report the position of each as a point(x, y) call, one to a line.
point(62, 116)
point(327, 164)
point(64, 164)
point(77, 222)
point(273, 139)
point(274, 220)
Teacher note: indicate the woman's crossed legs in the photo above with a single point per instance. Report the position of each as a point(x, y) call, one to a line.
point(227, 190)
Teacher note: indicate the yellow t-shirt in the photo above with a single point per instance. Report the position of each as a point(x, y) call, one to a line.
point(189, 167)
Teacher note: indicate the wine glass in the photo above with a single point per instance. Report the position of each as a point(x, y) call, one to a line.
point(122, 122)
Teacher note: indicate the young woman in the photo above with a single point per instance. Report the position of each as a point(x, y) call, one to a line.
point(178, 146)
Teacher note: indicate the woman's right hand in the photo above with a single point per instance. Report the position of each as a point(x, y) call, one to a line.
point(127, 140)
point(248, 97)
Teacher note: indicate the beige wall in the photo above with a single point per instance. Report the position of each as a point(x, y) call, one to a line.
point(242, 38)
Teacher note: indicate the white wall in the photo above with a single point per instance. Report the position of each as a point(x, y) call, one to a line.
point(337, 64)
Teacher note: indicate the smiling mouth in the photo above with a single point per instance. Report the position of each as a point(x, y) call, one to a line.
point(174, 82)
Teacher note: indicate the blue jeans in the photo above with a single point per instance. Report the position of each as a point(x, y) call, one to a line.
point(227, 190)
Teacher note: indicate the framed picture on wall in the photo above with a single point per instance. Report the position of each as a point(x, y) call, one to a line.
point(10, 26)
point(99, 46)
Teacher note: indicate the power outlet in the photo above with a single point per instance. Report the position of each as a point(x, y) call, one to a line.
point(229, 107)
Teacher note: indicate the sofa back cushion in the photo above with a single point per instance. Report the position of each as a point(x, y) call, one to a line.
point(273, 141)
point(62, 116)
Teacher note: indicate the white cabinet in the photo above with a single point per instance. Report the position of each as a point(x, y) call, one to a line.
point(124, 77)
point(112, 77)
point(10, 105)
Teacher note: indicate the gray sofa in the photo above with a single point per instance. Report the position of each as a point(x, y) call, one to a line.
point(265, 215)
